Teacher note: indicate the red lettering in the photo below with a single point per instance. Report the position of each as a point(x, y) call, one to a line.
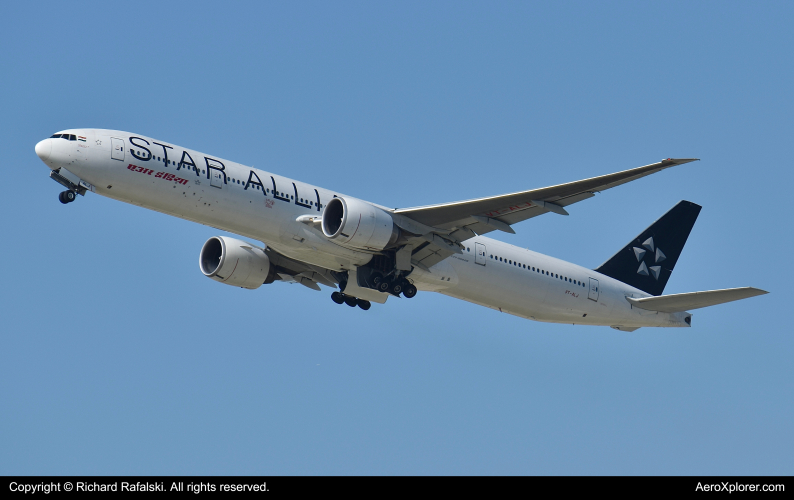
point(159, 174)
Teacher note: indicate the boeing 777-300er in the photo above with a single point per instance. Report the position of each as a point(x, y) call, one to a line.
point(313, 236)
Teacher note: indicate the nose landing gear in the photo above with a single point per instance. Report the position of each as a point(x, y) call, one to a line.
point(67, 197)
point(351, 301)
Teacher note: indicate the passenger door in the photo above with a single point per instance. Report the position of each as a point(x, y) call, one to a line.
point(117, 148)
point(593, 294)
point(479, 254)
point(216, 178)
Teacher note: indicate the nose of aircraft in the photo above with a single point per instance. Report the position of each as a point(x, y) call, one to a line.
point(43, 149)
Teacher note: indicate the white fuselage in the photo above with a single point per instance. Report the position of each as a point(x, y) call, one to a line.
point(264, 206)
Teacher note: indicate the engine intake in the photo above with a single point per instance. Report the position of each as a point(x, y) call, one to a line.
point(358, 224)
point(235, 262)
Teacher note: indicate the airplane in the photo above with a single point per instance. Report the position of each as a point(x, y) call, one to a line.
point(370, 253)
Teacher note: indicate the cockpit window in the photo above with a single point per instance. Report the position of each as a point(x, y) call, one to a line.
point(55, 136)
point(72, 137)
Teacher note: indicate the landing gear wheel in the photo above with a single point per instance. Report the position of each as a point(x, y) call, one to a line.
point(351, 301)
point(409, 292)
point(375, 279)
point(384, 286)
point(67, 197)
point(338, 298)
point(397, 287)
point(364, 304)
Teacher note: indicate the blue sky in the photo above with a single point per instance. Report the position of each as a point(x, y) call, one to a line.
point(118, 357)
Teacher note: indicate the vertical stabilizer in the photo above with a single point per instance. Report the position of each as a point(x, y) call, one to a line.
point(648, 260)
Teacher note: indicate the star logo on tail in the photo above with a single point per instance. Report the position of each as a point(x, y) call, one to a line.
point(655, 256)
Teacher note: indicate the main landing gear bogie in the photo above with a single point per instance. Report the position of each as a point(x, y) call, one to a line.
point(341, 298)
point(67, 196)
point(395, 286)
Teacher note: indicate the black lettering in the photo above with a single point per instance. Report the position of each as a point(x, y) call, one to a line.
point(165, 152)
point(275, 191)
point(217, 165)
point(187, 163)
point(250, 182)
point(142, 158)
point(296, 198)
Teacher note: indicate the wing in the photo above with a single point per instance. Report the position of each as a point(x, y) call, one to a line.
point(443, 226)
point(515, 207)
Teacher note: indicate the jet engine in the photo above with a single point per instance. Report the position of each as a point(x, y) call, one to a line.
point(235, 263)
point(358, 224)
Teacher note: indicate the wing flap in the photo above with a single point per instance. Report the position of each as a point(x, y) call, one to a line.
point(694, 300)
point(429, 254)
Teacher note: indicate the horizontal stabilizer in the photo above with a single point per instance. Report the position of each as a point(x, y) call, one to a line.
point(694, 300)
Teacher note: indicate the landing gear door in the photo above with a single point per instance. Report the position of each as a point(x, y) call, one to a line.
point(593, 294)
point(479, 254)
point(117, 148)
point(216, 178)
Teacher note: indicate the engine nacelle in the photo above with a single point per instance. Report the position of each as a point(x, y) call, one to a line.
point(235, 262)
point(358, 224)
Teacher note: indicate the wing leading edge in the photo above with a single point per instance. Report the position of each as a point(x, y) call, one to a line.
point(498, 212)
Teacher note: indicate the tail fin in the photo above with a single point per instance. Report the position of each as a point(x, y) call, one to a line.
point(648, 260)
